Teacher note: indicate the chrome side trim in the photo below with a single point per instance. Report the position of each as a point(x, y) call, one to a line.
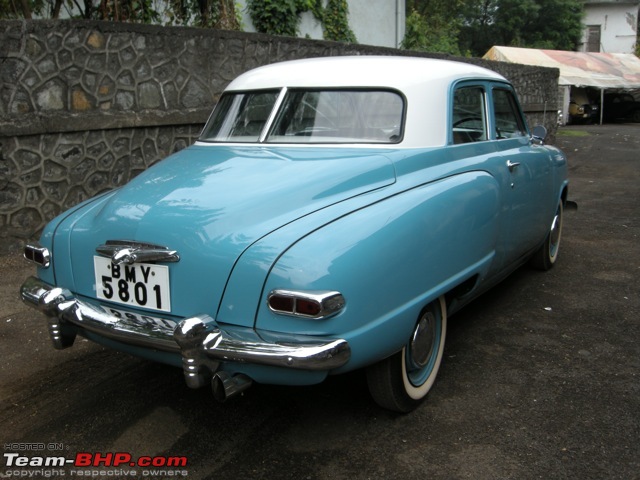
point(202, 343)
point(129, 252)
point(36, 253)
point(272, 115)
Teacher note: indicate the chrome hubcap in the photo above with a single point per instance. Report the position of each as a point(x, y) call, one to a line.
point(554, 235)
point(423, 340)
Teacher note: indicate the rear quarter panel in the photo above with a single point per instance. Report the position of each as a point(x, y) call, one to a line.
point(390, 260)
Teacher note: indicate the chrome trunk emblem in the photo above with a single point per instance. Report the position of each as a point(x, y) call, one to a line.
point(129, 252)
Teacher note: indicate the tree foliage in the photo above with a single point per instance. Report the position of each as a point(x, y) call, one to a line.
point(281, 17)
point(445, 26)
point(474, 26)
point(552, 24)
point(277, 17)
point(202, 13)
point(335, 20)
point(14, 9)
point(432, 26)
point(637, 39)
point(133, 11)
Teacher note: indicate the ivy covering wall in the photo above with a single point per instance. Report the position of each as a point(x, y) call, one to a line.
point(282, 17)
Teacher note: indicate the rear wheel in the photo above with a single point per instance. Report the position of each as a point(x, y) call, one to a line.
point(402, 381)
point(547, 255)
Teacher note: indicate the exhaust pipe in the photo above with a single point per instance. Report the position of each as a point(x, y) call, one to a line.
point(224, 386)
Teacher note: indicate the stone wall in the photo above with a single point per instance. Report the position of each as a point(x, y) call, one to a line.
point(86, 106)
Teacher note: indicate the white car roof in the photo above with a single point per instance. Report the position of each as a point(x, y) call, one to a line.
point(425, 83)
point(359, 71)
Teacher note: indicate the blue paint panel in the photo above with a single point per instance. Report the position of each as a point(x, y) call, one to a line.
point(390, 260)
point(210, 204)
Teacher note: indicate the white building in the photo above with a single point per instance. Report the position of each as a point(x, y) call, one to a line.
point(374, 22)
point(611, 26)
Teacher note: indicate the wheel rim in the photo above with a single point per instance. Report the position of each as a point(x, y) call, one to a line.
point(555, 233)
point(422, 351)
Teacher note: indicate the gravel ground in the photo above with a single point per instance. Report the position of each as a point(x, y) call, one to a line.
point(540, 378)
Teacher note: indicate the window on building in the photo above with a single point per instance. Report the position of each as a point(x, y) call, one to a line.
point(593, 38)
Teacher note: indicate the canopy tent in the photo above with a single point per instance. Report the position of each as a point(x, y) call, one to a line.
point(580, 69)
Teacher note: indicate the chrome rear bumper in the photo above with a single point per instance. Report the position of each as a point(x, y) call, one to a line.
point(202, 343)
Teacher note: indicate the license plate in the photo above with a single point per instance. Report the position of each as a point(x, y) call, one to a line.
point(134, 321)
point(142, 285)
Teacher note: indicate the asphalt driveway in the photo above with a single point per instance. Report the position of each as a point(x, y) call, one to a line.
point(540, 380)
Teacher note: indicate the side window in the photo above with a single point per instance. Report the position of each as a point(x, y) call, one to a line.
point(469, 115)
point(508, 121)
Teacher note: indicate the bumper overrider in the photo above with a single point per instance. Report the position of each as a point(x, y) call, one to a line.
point(203, 344)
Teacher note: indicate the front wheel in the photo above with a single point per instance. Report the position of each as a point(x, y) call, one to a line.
point(402, 381)
point(547, 255)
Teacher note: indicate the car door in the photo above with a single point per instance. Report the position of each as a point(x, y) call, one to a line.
point(529, 191)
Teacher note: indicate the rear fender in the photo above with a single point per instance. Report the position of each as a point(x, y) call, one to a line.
point(389, 260)
point(56, 237)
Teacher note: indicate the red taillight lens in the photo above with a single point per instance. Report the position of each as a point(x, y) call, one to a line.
point(308, 307)
point(281, 303)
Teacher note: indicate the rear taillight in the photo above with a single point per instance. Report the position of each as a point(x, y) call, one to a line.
point(306, 304)
point(37, 254)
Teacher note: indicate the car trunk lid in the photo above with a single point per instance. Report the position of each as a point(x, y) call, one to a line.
point(210, 203)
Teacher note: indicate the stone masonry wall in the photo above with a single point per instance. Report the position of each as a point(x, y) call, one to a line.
point(85, 106)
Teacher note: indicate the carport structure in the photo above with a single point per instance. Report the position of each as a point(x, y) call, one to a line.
point(603, 71)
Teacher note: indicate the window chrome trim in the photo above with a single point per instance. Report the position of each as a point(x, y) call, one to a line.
point(486, 114)
point(274, 111)
point(516, 110)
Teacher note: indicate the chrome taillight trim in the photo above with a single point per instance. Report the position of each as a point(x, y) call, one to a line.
point(36, 253)
point(330, 302)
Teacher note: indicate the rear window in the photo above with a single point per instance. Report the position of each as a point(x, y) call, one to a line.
point(308, 116)
point(240, 117)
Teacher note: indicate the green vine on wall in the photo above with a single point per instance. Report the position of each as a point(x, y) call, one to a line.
point(277, 17)
point(335, 20)
point(281, 17)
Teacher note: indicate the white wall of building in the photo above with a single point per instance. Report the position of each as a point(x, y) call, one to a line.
point(378, 22)
point(374, 22)
point(618, 22)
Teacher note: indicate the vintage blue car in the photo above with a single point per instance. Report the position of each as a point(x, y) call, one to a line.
point(330, 217)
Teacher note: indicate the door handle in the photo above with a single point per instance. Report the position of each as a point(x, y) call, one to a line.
point(512, 165)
